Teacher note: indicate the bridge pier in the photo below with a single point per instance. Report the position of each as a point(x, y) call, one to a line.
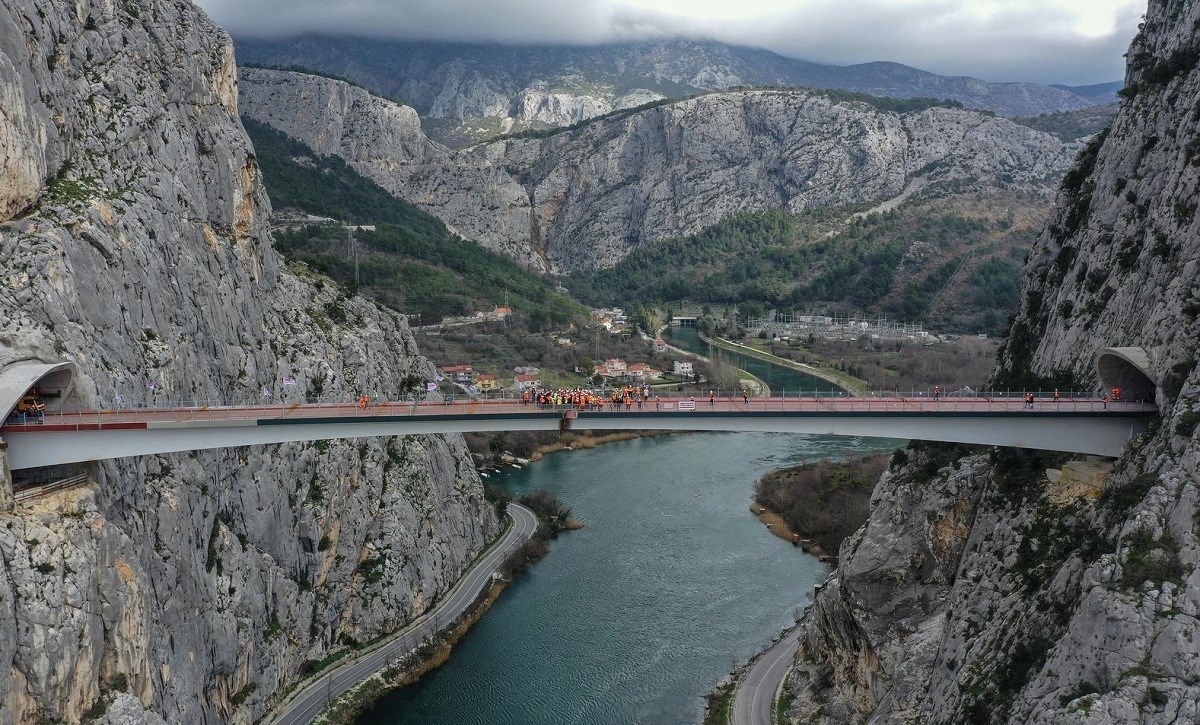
point(6, 485)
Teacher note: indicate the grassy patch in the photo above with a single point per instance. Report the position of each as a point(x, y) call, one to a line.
point(719, 709)
point(783, 704)
point(1150, 560)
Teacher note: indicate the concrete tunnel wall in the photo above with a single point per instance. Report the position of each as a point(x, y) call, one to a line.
point(54, 379)
point(1129, 369)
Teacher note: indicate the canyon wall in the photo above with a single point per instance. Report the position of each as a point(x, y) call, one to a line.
point(980, 592)
point(134, 242)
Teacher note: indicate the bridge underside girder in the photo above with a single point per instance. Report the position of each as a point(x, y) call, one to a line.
point(1104, 435)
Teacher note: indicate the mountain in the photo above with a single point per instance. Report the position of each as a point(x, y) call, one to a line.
point(470, 92)
point(582, 198)
point(408, 260)
point(981, 591)
point(1099, 93)
point(1073, 125)
point(134, 242)
point(953, 262)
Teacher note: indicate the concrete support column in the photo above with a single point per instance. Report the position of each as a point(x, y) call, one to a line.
point(6, 482)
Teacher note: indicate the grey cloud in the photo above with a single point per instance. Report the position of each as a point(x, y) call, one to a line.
point(1022, 41)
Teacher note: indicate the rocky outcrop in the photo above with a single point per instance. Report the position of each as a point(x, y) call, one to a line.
point(134, 243)
point(541, 105)
point(972, 595)
point(474, 90)
point(584, 198)
point(384, 142)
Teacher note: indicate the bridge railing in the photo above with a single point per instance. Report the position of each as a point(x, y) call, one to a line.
point(659, 400)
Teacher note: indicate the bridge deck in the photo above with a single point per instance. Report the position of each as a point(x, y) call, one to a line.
point(142, 418)
point(1075, 425)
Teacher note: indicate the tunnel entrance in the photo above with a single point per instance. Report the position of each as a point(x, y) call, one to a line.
point(1127, 368)
point(51, 383)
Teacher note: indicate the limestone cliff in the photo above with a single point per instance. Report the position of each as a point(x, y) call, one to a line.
point(973, 595)
point(583, 198)
point(472, 91)
point(134, 243)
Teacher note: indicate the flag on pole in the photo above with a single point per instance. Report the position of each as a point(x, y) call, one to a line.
point(431, 386)
point(265, 392)
point(119, 400)
point(150, 385)
point(289, 380)
point(438, 378)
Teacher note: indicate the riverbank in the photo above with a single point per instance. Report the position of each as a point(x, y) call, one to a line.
point(418, 663)
point(348, 671)
point(843, 381)
point(586, 440)
point(494, 451)
point(820, 503)
point(778, 525)
point(726, 703)
point(754, 384)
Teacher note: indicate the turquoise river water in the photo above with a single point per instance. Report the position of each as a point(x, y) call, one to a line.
point(781, 380)
point(634, 618)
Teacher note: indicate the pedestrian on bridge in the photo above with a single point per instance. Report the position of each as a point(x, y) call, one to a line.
point(1056, 395)
point(712, 398)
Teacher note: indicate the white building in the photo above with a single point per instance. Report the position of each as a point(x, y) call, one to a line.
point(683, 368)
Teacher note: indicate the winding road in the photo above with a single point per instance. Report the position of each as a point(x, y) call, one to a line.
point(312, 699)
point(754, 698)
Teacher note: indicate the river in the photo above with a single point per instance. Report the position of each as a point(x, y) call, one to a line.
point(781, 380)
point(671, 585)
point(635, 617)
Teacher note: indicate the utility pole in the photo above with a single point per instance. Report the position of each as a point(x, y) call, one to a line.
point(354, 252)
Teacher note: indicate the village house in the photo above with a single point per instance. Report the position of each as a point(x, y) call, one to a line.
point(642, 372)
point(660, 345)
point(500, 313)
point(683, 368)
point(612, 368)
point(459, 373)
point(525, 382)
point(487, 381)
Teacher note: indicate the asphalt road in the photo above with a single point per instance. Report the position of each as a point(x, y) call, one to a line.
point(306, 704)
point(754, 699)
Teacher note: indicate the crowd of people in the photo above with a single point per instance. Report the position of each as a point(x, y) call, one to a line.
point(588, 399)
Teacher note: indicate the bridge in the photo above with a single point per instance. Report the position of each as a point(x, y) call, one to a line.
point(1086, 425)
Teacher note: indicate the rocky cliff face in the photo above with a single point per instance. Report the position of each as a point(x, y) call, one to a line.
point(972, 594)
point(583, 198)
point(384, 142)
point(134, 243)
point(473, 91)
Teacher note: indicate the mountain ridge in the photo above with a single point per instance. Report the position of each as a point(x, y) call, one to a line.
point(472, 91)
point(583, 198)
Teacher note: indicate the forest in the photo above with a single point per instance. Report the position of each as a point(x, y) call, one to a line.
point(910, 264)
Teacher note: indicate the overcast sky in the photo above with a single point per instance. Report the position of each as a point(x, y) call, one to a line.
point(1048, 41)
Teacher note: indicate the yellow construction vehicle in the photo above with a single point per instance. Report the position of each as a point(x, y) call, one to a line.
point(31, 404)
